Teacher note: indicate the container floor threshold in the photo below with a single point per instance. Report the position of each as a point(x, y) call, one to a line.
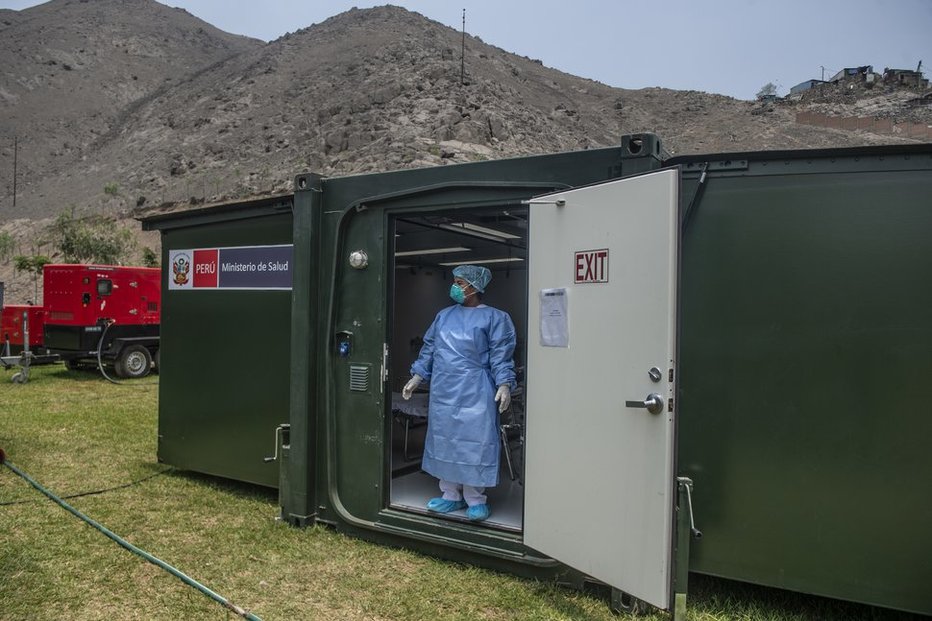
point(412, 491)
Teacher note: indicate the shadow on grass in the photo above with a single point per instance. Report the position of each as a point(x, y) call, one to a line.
point(751, 601)
point(248, 491)
point(92, 374)
point(556, 597)
point(83, 374)
point(719, 598)
point(55, 370)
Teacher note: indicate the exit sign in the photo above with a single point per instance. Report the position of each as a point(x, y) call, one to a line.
point(591, 266)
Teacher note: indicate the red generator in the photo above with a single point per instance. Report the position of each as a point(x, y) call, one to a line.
point(103, 313)
point(11, 328)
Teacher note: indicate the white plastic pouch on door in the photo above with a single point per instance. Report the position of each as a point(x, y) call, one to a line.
point(554, 327)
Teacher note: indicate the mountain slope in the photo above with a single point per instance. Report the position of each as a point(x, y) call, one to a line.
point(72, 70)
point(367, 90)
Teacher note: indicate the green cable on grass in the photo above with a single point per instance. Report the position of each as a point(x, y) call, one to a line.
point(152, 559)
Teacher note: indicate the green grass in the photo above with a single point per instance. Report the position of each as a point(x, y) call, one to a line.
point(75, 433)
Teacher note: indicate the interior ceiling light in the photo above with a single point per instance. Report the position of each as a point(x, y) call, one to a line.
point(414, 253)
point(478, 261)
point(478, 231)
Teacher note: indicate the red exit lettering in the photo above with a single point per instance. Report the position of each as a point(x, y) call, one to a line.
point(591, 266)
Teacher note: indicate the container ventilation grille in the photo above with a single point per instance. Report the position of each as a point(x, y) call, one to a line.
point(359, 377)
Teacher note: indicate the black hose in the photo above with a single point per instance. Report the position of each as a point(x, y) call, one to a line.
point(95, 491)
point(100, 345)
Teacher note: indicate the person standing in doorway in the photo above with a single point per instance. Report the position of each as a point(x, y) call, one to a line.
point(468, 356)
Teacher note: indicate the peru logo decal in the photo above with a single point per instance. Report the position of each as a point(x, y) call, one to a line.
point(181, 266)
point(247, 268)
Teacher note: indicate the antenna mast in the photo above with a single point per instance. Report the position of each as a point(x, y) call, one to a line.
point(463, 53)
point(15, 152)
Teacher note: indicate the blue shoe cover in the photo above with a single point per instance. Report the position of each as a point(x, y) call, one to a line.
point(477, 513)
point(441, 505)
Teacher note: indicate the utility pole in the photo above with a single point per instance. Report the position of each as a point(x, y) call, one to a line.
point(15, 149)
point(463, 53)
point(823, 73)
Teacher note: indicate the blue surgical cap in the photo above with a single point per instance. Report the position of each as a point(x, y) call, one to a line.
point(475, 275)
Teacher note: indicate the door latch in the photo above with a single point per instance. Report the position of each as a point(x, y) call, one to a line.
point(278, 431)
point(687, 486)
point(653, 403)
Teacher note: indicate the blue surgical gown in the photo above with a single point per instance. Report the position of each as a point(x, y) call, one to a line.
point(467, 354)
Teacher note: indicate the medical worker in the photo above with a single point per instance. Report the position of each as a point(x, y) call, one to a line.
point(468, 357)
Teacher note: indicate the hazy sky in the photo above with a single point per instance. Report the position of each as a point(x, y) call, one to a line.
point(732, 47)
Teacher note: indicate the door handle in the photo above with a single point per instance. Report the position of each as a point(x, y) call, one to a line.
point(653, 403)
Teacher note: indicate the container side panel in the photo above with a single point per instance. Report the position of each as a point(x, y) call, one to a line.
point(225, 362)
point(806, 355)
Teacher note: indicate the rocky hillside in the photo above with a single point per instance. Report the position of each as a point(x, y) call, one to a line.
point(73, 71)
point(128, 105)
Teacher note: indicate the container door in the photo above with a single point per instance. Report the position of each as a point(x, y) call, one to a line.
point(600, 486)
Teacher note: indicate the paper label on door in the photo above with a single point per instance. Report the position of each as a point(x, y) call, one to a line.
point(554, 327)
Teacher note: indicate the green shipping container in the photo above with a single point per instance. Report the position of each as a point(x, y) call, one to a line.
point(224, 378)
point(734, 339)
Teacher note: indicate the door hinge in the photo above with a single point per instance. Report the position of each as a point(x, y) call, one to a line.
point(384, 368)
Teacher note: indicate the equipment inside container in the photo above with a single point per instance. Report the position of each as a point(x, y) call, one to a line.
point(427, 247)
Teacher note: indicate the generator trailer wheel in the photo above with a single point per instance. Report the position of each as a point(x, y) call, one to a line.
point(133, 362)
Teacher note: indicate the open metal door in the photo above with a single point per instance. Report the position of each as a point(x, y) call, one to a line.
point(600, 487)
